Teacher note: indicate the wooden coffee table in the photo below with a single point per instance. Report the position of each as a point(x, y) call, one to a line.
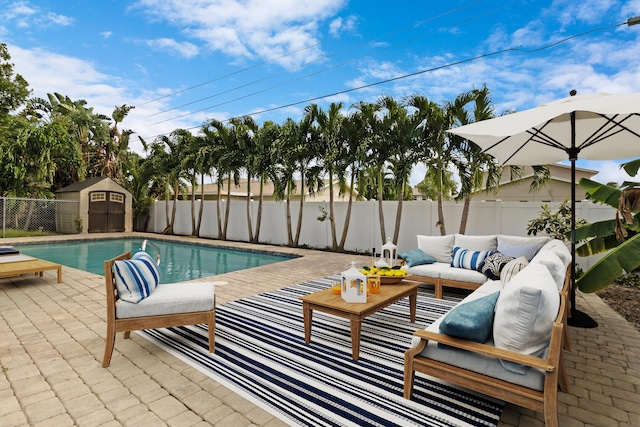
point(327, 302)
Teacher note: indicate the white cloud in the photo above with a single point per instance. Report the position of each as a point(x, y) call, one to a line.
point(24, 15)
point(184, 49)
point(79, 79)
point(106, 34)
point(268, 29)
point(339, 26)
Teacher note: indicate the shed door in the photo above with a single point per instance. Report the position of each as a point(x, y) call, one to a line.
point(106, 211)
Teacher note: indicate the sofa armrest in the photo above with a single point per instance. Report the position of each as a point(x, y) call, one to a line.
point(489, 350)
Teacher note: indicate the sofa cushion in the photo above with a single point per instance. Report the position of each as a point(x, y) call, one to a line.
point(493, 265)
point(476, 243)
point(472, 321)
point(416, 257)
point(429, 270)
point(466, 258)
point(171, 298)
point(463, 275)
point(525, 312)
point(136, 278)
point(554, 264)
point(512, 268)
point(522, 241)
point(439, 247)
point(560, 249)
point(527, 251)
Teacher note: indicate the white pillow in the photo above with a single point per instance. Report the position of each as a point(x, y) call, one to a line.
point(476, 243)
point(525, 312)
point(512, 268)
point(439, 247)
point(521, 241)
point(560, 249)
point(554, 264)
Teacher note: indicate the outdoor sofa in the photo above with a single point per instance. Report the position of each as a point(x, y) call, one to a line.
point(506, 338)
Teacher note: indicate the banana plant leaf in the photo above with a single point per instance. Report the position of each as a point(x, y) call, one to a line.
point(601, 192)
point(624, 258)
point(632, 167)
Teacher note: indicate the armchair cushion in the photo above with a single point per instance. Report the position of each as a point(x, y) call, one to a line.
point(512, 268)
point(476, 243)
point(472, 321)
point(171, 298)
point(416, 257)
point(136, 278)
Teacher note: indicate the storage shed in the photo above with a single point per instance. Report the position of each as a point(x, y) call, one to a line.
point(103, 206)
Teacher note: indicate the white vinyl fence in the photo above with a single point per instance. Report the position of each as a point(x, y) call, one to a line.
point(418, 217)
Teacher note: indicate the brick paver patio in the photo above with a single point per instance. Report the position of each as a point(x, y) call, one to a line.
point(52, 340)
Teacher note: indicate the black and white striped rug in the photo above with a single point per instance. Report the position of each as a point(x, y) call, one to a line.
point(261, 355)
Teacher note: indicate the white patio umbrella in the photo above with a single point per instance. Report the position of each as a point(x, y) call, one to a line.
point(598, 126)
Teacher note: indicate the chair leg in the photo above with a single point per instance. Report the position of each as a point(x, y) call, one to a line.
point(108, 348)
point(127, 334)
point(212, 331)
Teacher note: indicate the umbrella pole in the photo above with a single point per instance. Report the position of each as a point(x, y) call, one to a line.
point(578, 318)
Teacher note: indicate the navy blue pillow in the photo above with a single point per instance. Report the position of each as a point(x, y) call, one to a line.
point(416, 257)
point(472, 321)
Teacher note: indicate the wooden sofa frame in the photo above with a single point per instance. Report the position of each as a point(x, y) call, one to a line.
point(545, 401)
point(439, 284)
point(127, 325)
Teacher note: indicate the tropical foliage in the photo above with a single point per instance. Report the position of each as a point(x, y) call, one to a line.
point(367, 151)
point(622, 256)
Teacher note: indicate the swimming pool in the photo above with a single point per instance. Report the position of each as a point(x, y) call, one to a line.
point(179, 261)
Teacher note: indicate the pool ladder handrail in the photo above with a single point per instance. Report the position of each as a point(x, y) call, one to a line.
point(144, 247)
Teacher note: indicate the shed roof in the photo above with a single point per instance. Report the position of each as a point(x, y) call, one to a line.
point(81, 185)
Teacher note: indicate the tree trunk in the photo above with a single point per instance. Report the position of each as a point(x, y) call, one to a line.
point(299, 225)
point(332, 213)
point(347, 219)
point(465, 214)
point(383, 233)
point(194, 231)
point(288, 203)
point(218, 209)
point(441, 216)
point(249, 222)
point(396, 231)
point(201, 208)
point(227, 210)
point(259, 218)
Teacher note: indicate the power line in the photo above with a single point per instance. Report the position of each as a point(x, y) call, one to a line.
point(293, 53)
point(311, 74)
point(451, 64)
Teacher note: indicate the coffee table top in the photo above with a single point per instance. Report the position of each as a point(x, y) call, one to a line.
point(326, 298)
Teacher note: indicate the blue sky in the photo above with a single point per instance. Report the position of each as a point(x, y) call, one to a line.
point(182, 62)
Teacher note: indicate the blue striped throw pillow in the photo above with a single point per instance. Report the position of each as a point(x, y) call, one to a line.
point(137, 277)
point(466, 258)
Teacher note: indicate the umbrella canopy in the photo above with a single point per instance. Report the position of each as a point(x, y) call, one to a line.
point(607, 128)
point(598, 126)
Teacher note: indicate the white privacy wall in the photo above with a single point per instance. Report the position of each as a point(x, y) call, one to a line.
point(418, 217)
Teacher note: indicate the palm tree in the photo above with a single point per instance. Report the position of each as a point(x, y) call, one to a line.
point(264, 164)
point(332, 153)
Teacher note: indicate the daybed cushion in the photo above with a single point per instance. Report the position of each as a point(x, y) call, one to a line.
point(136, 278)
point(525, 312)
point(516, 251)
point(416, 257)
point(472, 321)
point(467, 258)
point(439, 247)
point(476, 243)
point(493, 265)
point(512, 268)
point(171, 298)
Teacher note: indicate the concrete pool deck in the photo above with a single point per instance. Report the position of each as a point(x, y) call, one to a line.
point(52, 342)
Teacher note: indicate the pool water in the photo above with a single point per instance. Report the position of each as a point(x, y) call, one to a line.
point(179, 261)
